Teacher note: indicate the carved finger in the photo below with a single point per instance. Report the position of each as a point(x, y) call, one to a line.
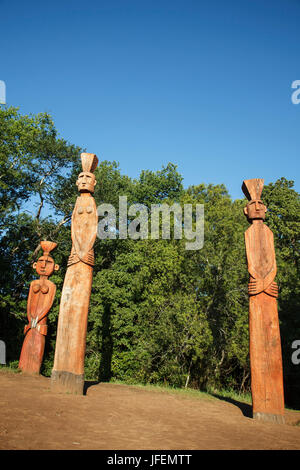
point(274, 289)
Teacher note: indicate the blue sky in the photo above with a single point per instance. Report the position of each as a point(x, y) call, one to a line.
point(203, 84)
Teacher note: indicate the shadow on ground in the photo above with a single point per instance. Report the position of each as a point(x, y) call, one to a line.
point(88, 384)
point(244, 407)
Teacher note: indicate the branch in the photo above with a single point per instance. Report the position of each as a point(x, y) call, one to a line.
point(40, 207)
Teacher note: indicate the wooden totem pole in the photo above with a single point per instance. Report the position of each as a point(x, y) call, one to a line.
point(40, 300)
point(68, 370)
point(265, 346)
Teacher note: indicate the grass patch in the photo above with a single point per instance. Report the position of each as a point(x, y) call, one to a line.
point(183, 392)
point(188, 392)
point(10, 368)
point(234, 395)
point(227, 395)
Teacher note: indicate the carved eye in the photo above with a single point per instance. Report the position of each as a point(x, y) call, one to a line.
point(89, 209)
point(80, 210)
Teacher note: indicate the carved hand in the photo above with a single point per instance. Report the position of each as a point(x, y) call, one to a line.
point(255, 286)
point(272, 289)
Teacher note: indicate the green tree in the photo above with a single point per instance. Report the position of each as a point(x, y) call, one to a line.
point(159, 313)
point(34, 162)
point(283, 218)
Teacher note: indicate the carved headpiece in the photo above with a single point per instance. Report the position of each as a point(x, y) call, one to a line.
point(45, 264)
point(253, 188)
point(86, 180)
point(47, 247)
point(255, 208)
point(89, 162)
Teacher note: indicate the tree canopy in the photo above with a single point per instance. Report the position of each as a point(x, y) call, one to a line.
point(159, 313)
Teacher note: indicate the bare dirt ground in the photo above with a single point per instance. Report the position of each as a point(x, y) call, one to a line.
point(120, 417)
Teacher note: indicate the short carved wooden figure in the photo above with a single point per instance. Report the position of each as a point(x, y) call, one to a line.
point(68, 369)
point(40, 300)
point(264, 334)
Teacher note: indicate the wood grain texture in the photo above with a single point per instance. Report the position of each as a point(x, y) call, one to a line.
point(40, 299)
point(68, 369)
point(264, 334)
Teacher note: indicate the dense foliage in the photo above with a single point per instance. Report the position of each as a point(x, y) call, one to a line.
point(159, 313)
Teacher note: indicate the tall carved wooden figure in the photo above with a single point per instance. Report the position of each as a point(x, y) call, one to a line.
point(265, 346)
point(40, 300)
point(68, 370)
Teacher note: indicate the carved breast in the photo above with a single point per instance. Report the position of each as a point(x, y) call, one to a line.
point(41, 296)
point(40, 288)
point(84, 225)
point(260, 248)
point(81, 209)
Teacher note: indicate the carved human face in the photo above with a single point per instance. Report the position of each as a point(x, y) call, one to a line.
point(86, 182)
point(45, 266)
point(255, 209)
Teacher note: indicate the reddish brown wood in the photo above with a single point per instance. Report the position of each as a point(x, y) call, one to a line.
point(68, 370)
point(40, 300)
point(265, 346)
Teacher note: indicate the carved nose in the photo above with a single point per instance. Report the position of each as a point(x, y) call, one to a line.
point(256, 206)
